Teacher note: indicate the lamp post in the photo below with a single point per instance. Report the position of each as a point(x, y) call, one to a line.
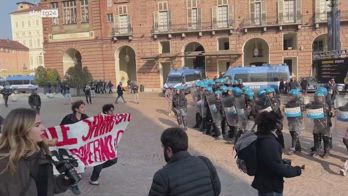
point(334, 27)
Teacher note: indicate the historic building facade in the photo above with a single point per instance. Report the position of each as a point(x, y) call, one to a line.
point(14, 57)
point(26, 25)
point(141, 40)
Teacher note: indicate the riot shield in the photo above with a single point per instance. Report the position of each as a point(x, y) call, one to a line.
point(202, 106)
point(340, 101)
point(230, 110)
point(341, 123)
point(214, 110)
point(240, 105)
point(195, 95)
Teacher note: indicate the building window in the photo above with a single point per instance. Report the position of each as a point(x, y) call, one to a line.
point(193, 14)
point(29, 33)
point(30, 43)
point(54, 5)
point(290, 41)
point(39, 60)
point(37, 22)
point(38, 43)
point(165, 47)
point(224, 43)
point(256, 11)
point(123, 19)
point(29, 23)
point(23, 24)
point(289, 10)
point(69, 12)
point(17, 24)
point(84, 11)
point(163, 16)
point(318, 46)
point(110, 18)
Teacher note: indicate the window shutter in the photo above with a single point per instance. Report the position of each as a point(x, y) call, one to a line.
point(189, 3)
point(120, 10)
point(317, 10)
point(213, 17)
point(189, 18)
point(263, 12)
point(199, 18)
point(298, 11)
point(125, 10)
point(230, 16)
point(169, 20)
point(165, 6)
point(252, 11)
point(219, 2)
point(280, 11)
point(116, 23)
point(155, 21)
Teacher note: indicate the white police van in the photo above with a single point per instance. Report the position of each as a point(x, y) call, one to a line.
point(22, 83)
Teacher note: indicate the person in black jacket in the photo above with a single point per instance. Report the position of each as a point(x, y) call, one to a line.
point(79, 113)
point(87, 90)
point(6, 92)
point(109, 110)
point(271, 169)
point(35, 102)
point(120, 90)
point(180, 176)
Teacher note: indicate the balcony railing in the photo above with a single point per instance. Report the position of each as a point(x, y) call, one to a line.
point(193, 27)
point(270, 21)
point(122, 31)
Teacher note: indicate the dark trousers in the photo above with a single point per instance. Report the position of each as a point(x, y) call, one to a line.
point(88, 98)
point(6, 101)
point(120, 96)
point(270, 194)
point(97, 169)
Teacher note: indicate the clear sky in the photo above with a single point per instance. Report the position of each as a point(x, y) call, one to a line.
point(6, 7)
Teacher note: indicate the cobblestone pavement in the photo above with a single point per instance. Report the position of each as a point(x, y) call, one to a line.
point(140, 153)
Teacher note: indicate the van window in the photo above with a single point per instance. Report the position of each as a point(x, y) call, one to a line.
point(174, 79)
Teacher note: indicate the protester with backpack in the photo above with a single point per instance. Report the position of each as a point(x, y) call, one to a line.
point(271, 169)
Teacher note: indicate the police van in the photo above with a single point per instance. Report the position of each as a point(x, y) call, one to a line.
point(184, 76)
point(22, 83)
point(257, 77)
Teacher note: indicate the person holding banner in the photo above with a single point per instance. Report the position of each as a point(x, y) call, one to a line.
point(109, 110)
point(79, 113)
point(293, 111)
point(184, 174)
point(25, 164)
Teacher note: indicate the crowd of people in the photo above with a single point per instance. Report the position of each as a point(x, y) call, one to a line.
point(224, 109)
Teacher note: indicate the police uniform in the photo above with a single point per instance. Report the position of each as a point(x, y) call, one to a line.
point(180, 108)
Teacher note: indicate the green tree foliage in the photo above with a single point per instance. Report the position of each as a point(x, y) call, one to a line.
point(41, 76)
point(44, 76)
point(77, 77)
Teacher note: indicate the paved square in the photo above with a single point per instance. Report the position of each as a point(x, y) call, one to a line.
point(140, 152)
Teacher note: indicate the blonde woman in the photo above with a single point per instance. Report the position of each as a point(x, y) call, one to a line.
point(25, 169)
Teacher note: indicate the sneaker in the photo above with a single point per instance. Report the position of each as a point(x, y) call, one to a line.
point(94, 182)
point(343, 172)
point(75, 189)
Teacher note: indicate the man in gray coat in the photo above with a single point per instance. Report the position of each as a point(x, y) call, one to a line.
point(184, 174)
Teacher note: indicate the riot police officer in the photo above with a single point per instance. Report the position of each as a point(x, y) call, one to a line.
point(240, 105)
point(293, 111)
point(319, 112)
point(180, 107)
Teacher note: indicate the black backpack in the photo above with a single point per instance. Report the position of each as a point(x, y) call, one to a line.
point(246, 149)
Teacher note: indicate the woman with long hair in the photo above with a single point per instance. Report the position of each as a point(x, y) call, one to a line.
point(25, 166)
